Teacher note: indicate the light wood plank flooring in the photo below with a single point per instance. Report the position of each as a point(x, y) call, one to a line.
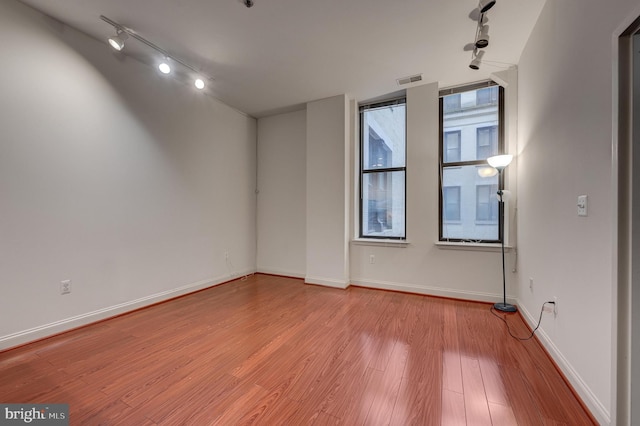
point(274, 351)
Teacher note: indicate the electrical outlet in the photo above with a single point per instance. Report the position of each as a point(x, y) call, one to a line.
point(372, 259)
point(530, 283)
point(548, 308)
point(65, 287)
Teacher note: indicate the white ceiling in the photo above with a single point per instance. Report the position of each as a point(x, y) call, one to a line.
point(283, 53)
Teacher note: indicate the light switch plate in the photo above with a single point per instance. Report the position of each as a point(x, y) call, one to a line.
point(582, 205)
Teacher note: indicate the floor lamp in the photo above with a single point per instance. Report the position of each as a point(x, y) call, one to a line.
point(500, 162)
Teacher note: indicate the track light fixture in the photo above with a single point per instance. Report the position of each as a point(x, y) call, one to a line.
point(117, 41)
point(164, 68)
point(123, 33)
point(485, 5)
point(482, 40)
point(482, 33)
point(477, 60)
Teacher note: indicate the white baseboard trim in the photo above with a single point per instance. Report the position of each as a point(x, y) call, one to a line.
point(602, 415)
point(327, 282)
point(46, 330)
point(281, 272)
point(475, 296)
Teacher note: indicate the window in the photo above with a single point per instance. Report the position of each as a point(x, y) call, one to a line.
point(452, 146)
point(451, 202)
point(486, 208)
point(383, 169)
point(486, 142)
point(468, 135)
point(452, 103)
point(487, 96)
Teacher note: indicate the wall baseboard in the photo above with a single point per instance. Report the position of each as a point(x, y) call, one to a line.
point(473, 296)
point(327, 282)
point(280, 272)
point(598, 410)
point(57, 327)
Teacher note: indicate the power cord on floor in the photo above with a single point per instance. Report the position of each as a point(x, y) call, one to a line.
point(493, 311)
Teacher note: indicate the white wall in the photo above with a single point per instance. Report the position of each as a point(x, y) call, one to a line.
point(328, 192)
point(129, 184)
point(282, 167)
point(565, 150)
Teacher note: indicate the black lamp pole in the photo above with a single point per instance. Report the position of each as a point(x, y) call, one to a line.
point(504, 306)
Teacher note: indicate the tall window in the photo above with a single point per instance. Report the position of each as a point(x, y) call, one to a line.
point(486, 142)
point(383, 169)
point(468, 135)
point(452, 146)
point(486, 208)
point(451, 203)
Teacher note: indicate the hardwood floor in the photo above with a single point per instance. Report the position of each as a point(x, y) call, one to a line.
point(273, 351)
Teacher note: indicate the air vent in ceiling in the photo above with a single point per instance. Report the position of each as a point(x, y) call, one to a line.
point(410, 79)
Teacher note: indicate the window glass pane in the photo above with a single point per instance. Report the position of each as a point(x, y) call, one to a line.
point(451, 102)
point(383, 203)
point(452, 146)
point(487, 203)
point(451, 203)
point(487, 142)
point(478, 110)
point(477, 199)
point(487, 96)
point(383, 134)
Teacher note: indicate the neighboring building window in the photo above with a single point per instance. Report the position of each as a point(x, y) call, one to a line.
point(383, 169)
point(452, 146)
point(486, 207)
point(452, 103)
point(470, 212)
point(486, 142)
point(487, 96)
point(451, 203)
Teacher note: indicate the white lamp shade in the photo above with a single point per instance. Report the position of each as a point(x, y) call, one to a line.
point(500, 161)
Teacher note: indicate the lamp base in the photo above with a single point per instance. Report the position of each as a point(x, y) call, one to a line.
point(505, 307)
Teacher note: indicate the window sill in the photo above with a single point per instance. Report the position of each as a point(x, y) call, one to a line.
point(380, 242)
point(459, 245)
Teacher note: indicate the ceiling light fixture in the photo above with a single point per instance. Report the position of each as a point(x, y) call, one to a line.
point(117, 41)
point(122, 33)
point(164, 68)
point(482, 40)
point(477, 60)
point(482, 33)
point(485, 5)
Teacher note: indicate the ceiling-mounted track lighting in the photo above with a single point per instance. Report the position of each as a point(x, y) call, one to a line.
point(482, 40)
point(117, 41)
point(122, 33)
point(485, 5)
point(482, 33)
point(477, 60)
